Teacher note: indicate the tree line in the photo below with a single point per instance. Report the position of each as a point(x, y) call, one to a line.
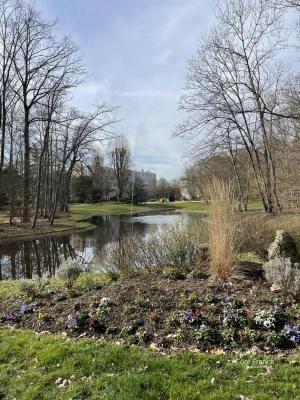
point(109, 174)
point(243, 103)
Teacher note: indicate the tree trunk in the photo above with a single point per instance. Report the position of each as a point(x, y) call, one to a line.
point(26, 180)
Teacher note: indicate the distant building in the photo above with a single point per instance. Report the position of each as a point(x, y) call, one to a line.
point(149, 180)
point(109, 181)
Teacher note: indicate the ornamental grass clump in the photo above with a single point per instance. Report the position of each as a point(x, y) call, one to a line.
point(222, 228)
point(69, 272)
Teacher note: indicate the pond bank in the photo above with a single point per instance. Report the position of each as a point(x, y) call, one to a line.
point(77, 218)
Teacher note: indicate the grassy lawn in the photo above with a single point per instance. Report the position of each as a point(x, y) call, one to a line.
point(80, 212)
point(35, 367)
point(85, 210)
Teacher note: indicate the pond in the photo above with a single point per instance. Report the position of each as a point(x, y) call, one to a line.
point(42, 256)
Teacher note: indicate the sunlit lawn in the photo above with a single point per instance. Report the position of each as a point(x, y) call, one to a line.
point(84, 210)
point(34, 366)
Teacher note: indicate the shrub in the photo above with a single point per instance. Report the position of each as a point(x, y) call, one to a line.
point(29, 288)
point(222, 229)
point(69, 271)
point(91, 281)
point(270, 319)
point(173, 273)
point(129, 309)
point(205, 334)
point(255, 233)
point(282, 272)
point(172, 248)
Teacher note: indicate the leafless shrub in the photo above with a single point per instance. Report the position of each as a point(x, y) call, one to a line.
point(255, 233)
point(173, 247)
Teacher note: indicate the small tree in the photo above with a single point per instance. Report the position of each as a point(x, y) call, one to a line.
point(119, 155)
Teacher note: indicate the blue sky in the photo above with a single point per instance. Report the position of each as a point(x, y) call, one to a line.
point(136, 52)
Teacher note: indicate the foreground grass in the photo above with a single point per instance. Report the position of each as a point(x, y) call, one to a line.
point(31, 364)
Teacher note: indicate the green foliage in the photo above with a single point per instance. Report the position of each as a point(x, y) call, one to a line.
point(129, 309)
point(81, 189)
point(43, 316)
point(173, 273)
point(187, 300)
point(29, 288)
point(69, 272)
point(174, 318)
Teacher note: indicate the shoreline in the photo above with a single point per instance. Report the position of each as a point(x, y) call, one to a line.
point(84, 219)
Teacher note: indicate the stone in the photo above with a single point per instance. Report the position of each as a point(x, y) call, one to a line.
point(202, 252)
point(283, 246)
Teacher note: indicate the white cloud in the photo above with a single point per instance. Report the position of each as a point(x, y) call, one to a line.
point(136, 51)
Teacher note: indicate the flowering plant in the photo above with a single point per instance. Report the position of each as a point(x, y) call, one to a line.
point(191, 316)
point(205, 334)
point(269, 318)
point(72, 321)
point(292, 333)
point(11, 317)
point(105, 302)
point(26, 309)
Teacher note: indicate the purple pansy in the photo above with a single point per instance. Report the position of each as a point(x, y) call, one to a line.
point(11, 317)
point(293, 332)
point(25, 308)
point(72, 321)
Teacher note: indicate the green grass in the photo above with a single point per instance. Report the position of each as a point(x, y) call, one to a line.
point(86, 210)
point(85, 282)
point(255, 205)
point(30, 364)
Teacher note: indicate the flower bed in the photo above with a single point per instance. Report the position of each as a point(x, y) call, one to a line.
point(241, 315)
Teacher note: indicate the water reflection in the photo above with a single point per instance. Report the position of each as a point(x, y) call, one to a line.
point(42, 256)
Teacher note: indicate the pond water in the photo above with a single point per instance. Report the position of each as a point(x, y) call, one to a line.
point(32, 258)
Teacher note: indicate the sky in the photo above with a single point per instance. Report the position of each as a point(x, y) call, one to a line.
point(136, 53)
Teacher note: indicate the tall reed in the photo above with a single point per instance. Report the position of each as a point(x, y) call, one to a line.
point(221, 227)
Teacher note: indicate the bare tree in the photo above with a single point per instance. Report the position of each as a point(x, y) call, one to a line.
point(119, 155)
point(42, 65)
point(234, 85)
point(8, 48)
point(78, 135)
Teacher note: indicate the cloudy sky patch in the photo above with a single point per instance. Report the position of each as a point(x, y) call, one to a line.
point(136, 52)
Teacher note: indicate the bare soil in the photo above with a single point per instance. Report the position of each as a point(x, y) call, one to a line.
point(163, 313)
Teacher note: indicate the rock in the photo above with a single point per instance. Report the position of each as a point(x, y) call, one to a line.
point(283, 246)
point(202, 252)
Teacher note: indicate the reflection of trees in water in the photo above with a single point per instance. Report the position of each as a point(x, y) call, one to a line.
point(34, 258)
point(112, 228)
point(42, 257)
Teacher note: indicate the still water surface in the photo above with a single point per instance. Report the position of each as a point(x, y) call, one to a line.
point(42, 256)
